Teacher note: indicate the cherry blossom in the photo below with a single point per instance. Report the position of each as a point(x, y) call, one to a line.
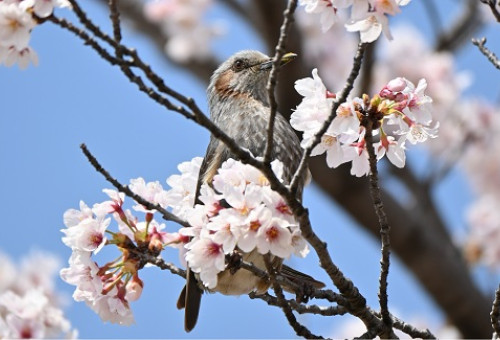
point(44, 8)
point(181, 195)
point(152, 192)
point(206, 257)
point(88, 235)
point(400, 112)
point(102, 291)
point(368, 17)
point(240, 213)
point(29, 305)
point(183, 22)
point(16, 25)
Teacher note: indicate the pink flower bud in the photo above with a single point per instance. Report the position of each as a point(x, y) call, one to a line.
point(396, 85)
point(134, 289)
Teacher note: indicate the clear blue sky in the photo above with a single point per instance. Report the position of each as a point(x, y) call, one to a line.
point(73, 96)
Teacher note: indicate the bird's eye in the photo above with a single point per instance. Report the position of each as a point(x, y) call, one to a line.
point(239, 65)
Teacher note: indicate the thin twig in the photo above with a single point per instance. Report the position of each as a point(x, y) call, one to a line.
point(137, 61)
point(126, 190)
point(410, 330)
point(486, 52)
point(299, 329)
point(158, 262)
point(358, 58)
point(273, 78)
point(85, 21)
point(88, 40)
point(385, 228)
point(493, 6)
point(495, 313)
point(301, 308)
point(114, 16)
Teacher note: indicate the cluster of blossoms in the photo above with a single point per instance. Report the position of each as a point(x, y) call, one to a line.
point(182, 21)
point(469, 133)
point(400, 113)
point(368, 17)
point(29, 306)
point(239, 212)
point(16, 24)
point(109, 289)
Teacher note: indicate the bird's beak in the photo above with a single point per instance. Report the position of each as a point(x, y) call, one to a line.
point(288, 57)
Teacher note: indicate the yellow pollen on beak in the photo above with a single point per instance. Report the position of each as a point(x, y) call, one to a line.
point(288, 57)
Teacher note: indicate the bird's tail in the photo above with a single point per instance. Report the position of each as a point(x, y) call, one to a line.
point(190, 299)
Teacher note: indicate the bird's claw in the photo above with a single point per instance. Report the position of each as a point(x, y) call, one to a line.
point(233, 261)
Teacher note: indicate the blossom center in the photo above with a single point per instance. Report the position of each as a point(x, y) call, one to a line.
point(255, 225)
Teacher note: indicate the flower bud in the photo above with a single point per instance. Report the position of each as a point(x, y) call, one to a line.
point(396, 85)
point(134, 289)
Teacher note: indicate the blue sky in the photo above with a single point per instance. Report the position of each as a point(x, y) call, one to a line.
point(74, 97)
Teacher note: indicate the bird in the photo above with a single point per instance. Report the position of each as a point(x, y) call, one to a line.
point(239, 105)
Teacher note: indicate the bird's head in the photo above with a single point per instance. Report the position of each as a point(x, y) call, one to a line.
point(244, 75)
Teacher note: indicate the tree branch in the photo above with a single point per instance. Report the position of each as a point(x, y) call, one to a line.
point(300, 329)
point(385, 228)
point(486, 52)
point(493, 6)
point(358, 58)
point(167, 215)
point(273, 77)
point(410, 330)
point(301, 308)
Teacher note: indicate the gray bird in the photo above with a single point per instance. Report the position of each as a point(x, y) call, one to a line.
point(239, 106)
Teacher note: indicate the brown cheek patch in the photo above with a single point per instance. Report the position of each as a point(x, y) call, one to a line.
point(222, 86)
point(222, 83)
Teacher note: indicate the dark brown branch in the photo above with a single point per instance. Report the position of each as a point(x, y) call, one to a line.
point(133, 11)
point(367, 68)
point(385, 228)
point(273, 78)
point(126, 190)
point(300, 329)
point(301, 308)
point(101, 51)
point(410, 330)
point(358, 58)
point(486, 52)
point(114, 16)
point(495, 313)
point(158, 262)
point(493, 6)
point(85, 21)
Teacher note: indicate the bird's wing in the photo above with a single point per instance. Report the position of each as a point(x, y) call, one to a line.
point(299, 277)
